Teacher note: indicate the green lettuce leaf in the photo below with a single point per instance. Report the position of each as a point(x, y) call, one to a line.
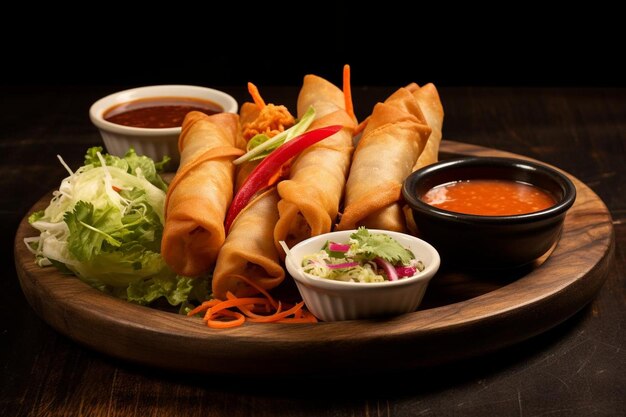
point(120, 268)
point(90, 229)
point(177, 290)
point(131, 163)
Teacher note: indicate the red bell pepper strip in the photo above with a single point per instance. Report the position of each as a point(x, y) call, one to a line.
point(260, 177)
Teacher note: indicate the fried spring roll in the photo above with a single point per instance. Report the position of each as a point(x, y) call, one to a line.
point(428, 99)
point(199, 194)
point(389, 148)
point(310, 197)
point(249, 251)
point(430, 103)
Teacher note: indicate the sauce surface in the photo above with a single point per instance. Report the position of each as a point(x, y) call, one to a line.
point(158, 112)
point(489, 197)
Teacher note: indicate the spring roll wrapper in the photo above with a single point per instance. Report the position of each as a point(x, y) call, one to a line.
point(430, 103)
point(391, 143)
point(428, 99)
point(249, 249)
point(310, 198)
point(199, 195)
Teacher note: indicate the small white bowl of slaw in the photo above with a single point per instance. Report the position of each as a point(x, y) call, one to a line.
point(334, 300)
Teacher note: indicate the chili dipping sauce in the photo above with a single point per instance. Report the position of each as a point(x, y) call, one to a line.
point(158, 112)
point(485, 197)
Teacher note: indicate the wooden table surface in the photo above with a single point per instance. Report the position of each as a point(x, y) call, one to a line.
point(576, 369)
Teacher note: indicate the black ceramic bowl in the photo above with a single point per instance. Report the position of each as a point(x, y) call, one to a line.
point(477, 241)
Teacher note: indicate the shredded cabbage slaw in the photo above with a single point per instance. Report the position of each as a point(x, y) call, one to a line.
point(367, 257)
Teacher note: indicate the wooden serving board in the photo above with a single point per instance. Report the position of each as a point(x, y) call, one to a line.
point(463, 314)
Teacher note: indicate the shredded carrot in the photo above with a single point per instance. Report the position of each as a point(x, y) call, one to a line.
point(248, 310)
point(221, 324)
point(278, 315)
point(203, 307)
point(256, 96)
point(347, 91)
point(219, 316)
point(272, 120)
point(260, 290)
point(236, 302)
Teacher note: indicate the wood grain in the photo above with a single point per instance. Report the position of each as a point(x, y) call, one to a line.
point(463, 314)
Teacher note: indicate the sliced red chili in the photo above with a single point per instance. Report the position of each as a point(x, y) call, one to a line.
point(263, 174)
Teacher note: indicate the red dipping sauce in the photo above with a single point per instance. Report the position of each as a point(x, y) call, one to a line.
point(158, 112)
point(489, 197)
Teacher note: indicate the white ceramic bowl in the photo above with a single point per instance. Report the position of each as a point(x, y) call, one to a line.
point(331, 300)
point(155, 143)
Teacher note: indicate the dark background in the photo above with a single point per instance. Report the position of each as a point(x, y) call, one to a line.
point(276, 43)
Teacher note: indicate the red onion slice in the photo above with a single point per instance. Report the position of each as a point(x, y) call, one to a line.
point(338, 247)
point(390, 271)
point(405, 271)
point(343, 265)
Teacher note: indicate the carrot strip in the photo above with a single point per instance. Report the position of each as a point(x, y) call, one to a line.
point(252, 315)
point(277, 316)
point(347, 91)
point(260, 290)
point(220, 324)
point(217, 310)
point(202, 307)
point(256, 96)
point(247, 310)
point(222, 306)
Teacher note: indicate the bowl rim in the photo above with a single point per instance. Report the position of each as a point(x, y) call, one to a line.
point(416, 204)
point(97, 109)
point(308, 279)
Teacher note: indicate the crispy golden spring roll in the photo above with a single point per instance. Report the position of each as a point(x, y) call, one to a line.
point(249, 250)
point(430, 103)
point(391, 144)
point(310, 197)
point(428, 99)
point(199, 194)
